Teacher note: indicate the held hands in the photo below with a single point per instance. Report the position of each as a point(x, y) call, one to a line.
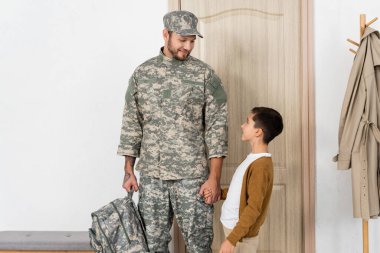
point(210, 191)
point(226, 247)
point(130, 182)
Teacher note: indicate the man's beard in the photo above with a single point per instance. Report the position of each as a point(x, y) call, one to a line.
point(175, 53)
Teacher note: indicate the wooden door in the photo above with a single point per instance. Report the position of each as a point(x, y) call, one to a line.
point(255, 47)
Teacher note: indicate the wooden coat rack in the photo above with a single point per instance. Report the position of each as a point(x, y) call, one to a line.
point(363, 25)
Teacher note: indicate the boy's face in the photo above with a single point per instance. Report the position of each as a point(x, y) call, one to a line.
point(250, 132)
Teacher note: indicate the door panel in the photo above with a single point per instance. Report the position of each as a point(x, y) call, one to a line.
point(255, 47)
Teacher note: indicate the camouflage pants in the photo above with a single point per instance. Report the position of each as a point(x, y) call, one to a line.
point(161, 199)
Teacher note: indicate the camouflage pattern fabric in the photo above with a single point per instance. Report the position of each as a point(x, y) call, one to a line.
point(173, 110)
point(160, 199)
point(182, 22)
point(117, 228)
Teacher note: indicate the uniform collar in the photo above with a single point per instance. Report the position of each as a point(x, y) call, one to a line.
point(170, 61)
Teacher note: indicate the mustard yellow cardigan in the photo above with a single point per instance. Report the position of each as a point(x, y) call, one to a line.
point(254, 199)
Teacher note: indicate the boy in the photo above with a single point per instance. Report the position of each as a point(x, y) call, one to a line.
point(247, 198)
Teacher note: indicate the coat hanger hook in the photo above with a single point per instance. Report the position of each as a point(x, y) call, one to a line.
point(353, 42)
point(371, 22)
point(352, 51)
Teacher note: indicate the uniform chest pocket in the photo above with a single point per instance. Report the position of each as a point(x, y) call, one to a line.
point(192, 92)
point(191, 101)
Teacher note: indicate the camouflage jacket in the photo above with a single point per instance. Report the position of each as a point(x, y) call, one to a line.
point(173, 111)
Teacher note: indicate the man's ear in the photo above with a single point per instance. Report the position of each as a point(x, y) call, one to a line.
point(165, 34)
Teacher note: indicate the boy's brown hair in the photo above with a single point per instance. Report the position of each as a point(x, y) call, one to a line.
point(269, 120)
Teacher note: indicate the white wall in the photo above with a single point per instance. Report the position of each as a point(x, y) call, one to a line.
point(335, 21)
point(64, 67)
point(64, 70)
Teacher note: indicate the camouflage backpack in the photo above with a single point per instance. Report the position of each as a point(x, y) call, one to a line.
point(117, 228)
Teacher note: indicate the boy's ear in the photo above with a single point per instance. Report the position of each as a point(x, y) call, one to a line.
point(259, 132)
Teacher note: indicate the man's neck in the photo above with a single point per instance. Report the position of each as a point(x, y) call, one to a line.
point(166, 52)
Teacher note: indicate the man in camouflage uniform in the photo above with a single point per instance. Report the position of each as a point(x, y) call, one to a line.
point(175, 107)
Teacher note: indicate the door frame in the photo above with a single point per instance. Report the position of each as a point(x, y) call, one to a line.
point(307, 129)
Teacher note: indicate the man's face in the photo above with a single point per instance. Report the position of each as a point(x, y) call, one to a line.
point(179, 46)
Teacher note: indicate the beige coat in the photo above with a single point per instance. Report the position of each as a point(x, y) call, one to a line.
point(359, 135)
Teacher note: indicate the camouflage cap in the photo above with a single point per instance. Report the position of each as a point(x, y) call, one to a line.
point(182, 22)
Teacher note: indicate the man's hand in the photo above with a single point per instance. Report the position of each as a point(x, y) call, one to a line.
point(212, 185)
point(210, 190)
point(130, 182)
point(226, 247)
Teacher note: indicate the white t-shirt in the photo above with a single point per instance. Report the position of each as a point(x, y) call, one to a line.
point(230, 208)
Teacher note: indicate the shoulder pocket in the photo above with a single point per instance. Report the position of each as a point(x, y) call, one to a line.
point(217, 91)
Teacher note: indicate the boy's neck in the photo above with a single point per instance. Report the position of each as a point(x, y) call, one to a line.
point(259, 148)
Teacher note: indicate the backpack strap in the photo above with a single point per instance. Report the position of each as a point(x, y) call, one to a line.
point(121, 221)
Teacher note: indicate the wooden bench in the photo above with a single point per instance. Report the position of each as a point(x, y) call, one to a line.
point(45, 241)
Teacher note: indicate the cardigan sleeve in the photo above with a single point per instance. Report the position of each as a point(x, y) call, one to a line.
point(223, 194)
point(258, 185)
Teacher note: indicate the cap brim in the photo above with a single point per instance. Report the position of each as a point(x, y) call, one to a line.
point(189, 32)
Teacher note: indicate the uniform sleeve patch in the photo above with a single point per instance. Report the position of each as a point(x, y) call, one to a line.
point(217, 90)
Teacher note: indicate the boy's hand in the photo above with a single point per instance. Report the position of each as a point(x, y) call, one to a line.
point(226, 247)
point(207, 193)
point(210, 190)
